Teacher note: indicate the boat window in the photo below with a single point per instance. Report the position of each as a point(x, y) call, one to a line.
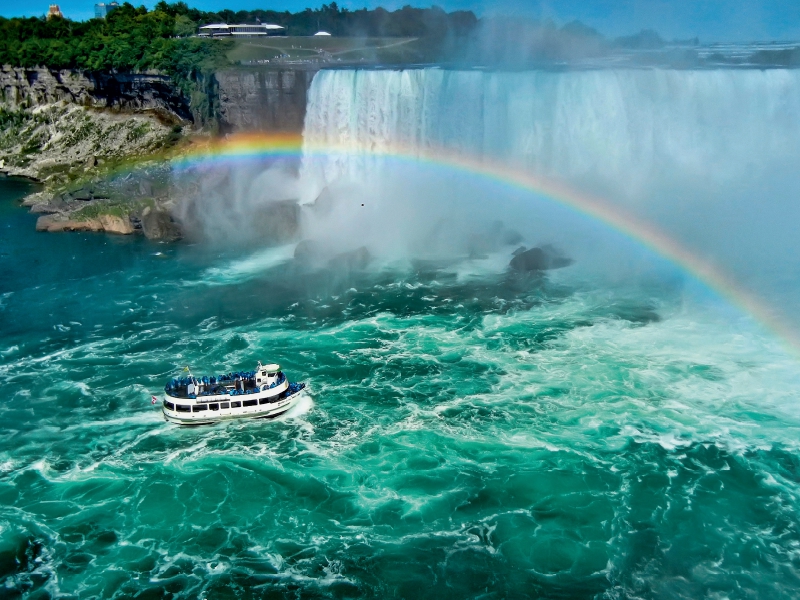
point(200, 407)
point(250, 402)
point(264, 401)
point(213, 406)
point(263, 373)
point(183, 408)
point(225, 405)
point(236, 404)
point(169, 405)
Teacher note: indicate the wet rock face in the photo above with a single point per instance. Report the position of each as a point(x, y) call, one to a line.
point(157, 224)
point(263, 99)
point(538, 259)
point(28, 88)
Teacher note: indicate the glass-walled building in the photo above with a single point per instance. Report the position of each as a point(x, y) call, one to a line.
point(102, 10)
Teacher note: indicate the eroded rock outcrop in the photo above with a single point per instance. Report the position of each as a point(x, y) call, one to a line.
point(158, 224)
point(131, 92)
point(56, 143)
point(538, 259)
point(103, 223)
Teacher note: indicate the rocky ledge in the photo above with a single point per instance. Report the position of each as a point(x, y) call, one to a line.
point(104, 223)
point(136, 203)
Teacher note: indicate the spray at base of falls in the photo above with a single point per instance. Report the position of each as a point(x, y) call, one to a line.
point(707, 158)
point(471, 433)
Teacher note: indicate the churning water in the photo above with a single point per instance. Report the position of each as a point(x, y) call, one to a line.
point(469, 432)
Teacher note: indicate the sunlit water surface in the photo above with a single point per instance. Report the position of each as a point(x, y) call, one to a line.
point(465, 436)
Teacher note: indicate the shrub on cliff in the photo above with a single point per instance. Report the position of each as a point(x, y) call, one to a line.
point(135, 39)
point(129, 39)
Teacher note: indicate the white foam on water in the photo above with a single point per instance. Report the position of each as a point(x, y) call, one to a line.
point(305, 405)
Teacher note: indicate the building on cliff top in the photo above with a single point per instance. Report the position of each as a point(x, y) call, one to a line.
point(102, 10)
point(54, 12)
point(223, 29)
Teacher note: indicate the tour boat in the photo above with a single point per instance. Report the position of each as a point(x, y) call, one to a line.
point(260, 394)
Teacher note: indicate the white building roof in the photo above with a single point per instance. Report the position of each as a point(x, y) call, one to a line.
point(225, 26)
point(322, 33)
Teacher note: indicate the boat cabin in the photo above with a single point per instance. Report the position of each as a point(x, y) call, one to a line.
point(267, 374)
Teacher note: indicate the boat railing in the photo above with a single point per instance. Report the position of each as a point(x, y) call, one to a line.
point(219, 386)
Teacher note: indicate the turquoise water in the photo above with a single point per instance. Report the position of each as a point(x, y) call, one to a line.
point(465, 435)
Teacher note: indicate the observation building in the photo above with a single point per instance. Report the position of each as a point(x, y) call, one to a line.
point(241, 30)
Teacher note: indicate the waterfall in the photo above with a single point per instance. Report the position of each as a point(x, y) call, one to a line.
point(618, 128)
point(709, 156)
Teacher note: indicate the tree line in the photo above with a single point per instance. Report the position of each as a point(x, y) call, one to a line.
point(405, 22)
point(135, 39)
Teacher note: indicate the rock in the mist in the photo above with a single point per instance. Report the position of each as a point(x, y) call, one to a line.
point(539, 259)
point(354, 260)
point(278, 222)
point(157, 224)
point(311, 253)
point(307, 252)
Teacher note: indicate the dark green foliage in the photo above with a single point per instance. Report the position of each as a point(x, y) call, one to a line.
point(406, 22)
point(135, 39)
point(129, 39)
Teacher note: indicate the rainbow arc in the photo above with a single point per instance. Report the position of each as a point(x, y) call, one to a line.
point(253, 146)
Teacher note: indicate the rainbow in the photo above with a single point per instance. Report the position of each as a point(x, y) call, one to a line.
point(257, 146)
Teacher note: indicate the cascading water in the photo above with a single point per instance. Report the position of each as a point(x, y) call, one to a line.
point(708, 156)
point(472, 432)
point(623, 128)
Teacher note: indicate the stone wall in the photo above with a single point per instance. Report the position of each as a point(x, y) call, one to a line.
point(263, 98)
point(28, 88)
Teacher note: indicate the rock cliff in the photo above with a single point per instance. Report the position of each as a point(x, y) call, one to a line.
point(74, 130)
point(263, 98)
point(129, 92)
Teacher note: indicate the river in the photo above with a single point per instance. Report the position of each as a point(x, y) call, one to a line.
point(468, 433)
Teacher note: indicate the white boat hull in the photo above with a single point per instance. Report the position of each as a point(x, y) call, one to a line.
point(259, 411)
